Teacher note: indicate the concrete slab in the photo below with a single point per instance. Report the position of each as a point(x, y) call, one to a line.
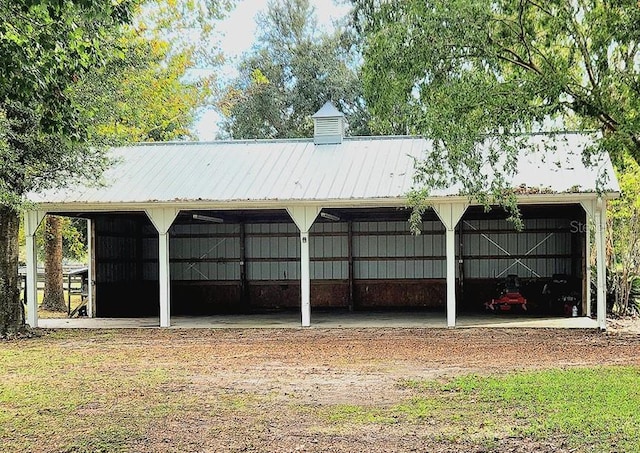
point(98, 323)
point(527, 322)
point(325, 321)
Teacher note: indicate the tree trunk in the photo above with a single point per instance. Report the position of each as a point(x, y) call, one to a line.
point(53, 280)
point(11, 310)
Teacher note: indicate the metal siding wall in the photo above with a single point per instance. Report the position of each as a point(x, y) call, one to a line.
point(150, 257)
point(329, 251)
point(537, 248)
point(273, 251)
point(205, 251)
point(150, 269)
point(116, 251)
point(409, 256)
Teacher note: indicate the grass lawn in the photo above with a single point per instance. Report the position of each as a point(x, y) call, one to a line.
point(591, 409)
point(153, 390)
point(56, 399)
point(76, 299)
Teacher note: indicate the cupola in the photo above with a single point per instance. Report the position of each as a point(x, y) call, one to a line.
point(328, 125)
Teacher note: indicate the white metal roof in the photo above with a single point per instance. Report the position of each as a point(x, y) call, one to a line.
point(298, 171)
point(328, 110)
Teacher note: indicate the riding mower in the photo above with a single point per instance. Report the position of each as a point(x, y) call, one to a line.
point(510, 296)
point(562, 297)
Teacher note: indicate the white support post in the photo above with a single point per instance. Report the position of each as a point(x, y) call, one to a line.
point(601, 301)
point(162, 218)
point(451, 277)
point(91, 309)
point(303, 217)
point(591, 208)
point(305, 280)
point(164, 277)
point(450, 214)
point(587, 267)
point(32, 220)
point(32, 281)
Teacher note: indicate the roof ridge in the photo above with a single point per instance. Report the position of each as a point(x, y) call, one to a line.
point(269, 140)
point(348, 138)
point(220, 142)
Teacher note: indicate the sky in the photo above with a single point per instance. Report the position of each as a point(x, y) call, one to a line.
point(237, 35)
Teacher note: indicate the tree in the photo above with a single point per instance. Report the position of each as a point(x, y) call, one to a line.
point(457, 71)
point(623, 225)
point(53, 285)
point(58, 238)
point(45, 46)
point(144, 93)
point(10, 309)
point(293, 70)
point(140, 94)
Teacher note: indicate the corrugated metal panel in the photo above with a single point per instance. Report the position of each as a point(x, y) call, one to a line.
point(298, 170)
point(327, 241)
point(194, 249)
point(150, 271)
point(272, 251)
point(273, 270)
point(333, 227)
point(542, 249)
point(116, 250)
point(387, 250)
point(399, 269)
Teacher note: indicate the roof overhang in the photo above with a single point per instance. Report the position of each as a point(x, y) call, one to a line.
point(547, 198)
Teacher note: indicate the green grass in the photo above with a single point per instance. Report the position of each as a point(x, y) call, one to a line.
point(76, 300)
point(102, 391)
point(94, 391)
point(597, 409)
point(52, 395)
point(357, 414)
point(104, 440)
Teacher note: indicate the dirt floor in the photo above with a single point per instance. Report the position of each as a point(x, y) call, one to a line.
point(258, 390)
point(266, 389)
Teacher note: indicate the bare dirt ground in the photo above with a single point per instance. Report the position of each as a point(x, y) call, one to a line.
point(267, 390)
point(624, 325)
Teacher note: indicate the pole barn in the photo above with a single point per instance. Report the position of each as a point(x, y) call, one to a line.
point(322, 223)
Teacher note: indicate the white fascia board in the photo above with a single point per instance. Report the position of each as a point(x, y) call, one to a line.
point(553, 198)
point(217, 205)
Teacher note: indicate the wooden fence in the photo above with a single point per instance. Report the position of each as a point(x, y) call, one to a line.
point(74, 282)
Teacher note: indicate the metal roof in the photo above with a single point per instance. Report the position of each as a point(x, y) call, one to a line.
point(554, 163)
point(328, 110)
point(298, 171)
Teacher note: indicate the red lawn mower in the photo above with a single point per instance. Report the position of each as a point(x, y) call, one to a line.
point(510, 296)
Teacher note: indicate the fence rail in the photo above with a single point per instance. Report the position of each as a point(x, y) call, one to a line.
point(74, 282)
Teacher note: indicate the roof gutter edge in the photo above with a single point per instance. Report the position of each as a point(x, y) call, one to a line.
point(399, 202)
